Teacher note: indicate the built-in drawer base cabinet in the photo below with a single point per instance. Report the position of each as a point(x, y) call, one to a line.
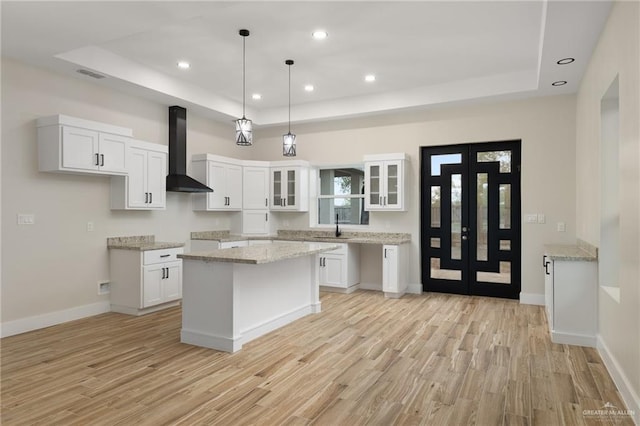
point(394, 270)
point(571, 301)
point(340, 269)
point(145, 281)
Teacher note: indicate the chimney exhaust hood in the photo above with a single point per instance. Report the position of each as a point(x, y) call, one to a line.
point(177, 179)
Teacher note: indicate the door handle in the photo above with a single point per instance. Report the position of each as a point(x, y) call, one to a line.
point(102, 159)
point(466, 229)
point(464, 237)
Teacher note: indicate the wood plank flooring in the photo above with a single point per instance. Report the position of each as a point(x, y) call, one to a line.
point(430, 359)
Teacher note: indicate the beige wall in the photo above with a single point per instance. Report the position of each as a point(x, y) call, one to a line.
point(617, 53)
point(56, 264)
point(545, 125)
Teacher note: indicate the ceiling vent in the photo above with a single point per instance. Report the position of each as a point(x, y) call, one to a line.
point(90, 73)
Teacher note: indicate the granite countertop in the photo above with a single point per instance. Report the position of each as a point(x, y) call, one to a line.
point(311, 236)
point(140, 243)
point(260, 254)
point(569, 252)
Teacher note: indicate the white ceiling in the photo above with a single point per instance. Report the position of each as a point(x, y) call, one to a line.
point(423, 53)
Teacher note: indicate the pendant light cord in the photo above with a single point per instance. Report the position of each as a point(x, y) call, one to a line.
point(289, 98)
point(244, 78)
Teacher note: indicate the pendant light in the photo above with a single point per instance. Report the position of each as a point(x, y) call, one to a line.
point(289, 140)
point(244, 135)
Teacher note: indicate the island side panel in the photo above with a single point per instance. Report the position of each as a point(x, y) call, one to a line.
point(271, 295)
point(208, 305)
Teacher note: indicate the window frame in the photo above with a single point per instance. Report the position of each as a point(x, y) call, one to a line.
point(317, 196)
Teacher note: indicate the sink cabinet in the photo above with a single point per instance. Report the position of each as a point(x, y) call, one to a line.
point(145, 281)
point(73, 145)
point(340, 268)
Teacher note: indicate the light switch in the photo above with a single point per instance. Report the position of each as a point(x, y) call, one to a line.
point(26, 219)
point(562, 227)
point(531, 218)
point(90, 227)
point(541, 218)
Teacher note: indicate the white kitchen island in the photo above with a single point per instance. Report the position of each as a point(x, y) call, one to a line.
point(231, 296)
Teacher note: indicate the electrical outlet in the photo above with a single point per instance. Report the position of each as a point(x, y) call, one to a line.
point(104, 287)
point(541, 218)
point(562, 227)
point(26, 219)
point(531, 218)
point(90, 227)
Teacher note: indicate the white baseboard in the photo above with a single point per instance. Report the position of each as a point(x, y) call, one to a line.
point(134, 311)
point(370, 286)
point(629, 395)
point(573, 339)
point(532, 299)
point(206, 340)
point(11, 328)
point(414, 288)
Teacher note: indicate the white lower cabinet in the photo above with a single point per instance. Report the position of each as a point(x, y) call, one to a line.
point(145, 281)
point(571, 300)
point(394, 270)
point(340, 268)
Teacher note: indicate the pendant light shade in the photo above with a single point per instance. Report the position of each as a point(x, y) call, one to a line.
point(289, 140)
point(244, 134)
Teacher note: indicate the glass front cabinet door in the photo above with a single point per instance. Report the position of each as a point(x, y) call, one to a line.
point(384, 183)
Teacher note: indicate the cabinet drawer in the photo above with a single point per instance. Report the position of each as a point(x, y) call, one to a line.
point(160, 256)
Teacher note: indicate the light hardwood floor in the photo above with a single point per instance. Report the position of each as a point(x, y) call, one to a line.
point(431, 359)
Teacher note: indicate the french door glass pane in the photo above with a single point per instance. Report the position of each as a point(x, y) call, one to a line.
point(504, 277)
point(505, 206)
point(435, 242)
point(443, 274)
point(456, 216)
point(504, 157)
point(505, 245)
point(482, 185)
point(435, 207)
point(438, 160)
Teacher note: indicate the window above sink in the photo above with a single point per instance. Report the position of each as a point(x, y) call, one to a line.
point(341, 194)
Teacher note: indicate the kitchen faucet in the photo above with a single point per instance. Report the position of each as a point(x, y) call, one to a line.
point(338, 233)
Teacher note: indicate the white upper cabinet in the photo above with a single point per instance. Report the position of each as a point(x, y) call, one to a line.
point(290, 187)
point(224, 176)
point(144, 186)
point(255, 193)
point(384, 182)
point(73, 145)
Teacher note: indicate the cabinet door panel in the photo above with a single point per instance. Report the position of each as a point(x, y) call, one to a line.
point(216, 181)
point(390, 276)
point(334, 273)
point(255, 188)
point(374, 185)
point(233, 186)
point(79, 148)
point(152, 285)
point(137, 176)
point(255, 222)
point(393, 193)
point(156, 178)
point(172, 284)
point(291, 199)
point(277, 189)
point(113, 152)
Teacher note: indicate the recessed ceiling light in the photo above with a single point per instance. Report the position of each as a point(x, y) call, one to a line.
point(309, 88)
point(565, 61)
point(256, 96)
point(320, 34)
point(369, 78)
point(559, 83)
point(184, 65)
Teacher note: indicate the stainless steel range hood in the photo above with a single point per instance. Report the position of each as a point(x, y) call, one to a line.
point(177, 179)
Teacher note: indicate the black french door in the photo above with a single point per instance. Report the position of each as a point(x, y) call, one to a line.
point(470, 219)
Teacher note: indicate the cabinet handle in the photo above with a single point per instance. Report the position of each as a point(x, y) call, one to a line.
point(320, 262)
point(546, 268)
point(324, 261)
point(97, 159)
point(165, 255)
point(163, 273)
point(167, 272)
point(150, 197)
point(266, 217)
point(385, 253)
point(102, 159)
point(146, 197)
point(544, 260)
point(266, 202)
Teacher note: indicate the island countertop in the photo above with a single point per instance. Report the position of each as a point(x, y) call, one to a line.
point(260, 254)
point(310, 236)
